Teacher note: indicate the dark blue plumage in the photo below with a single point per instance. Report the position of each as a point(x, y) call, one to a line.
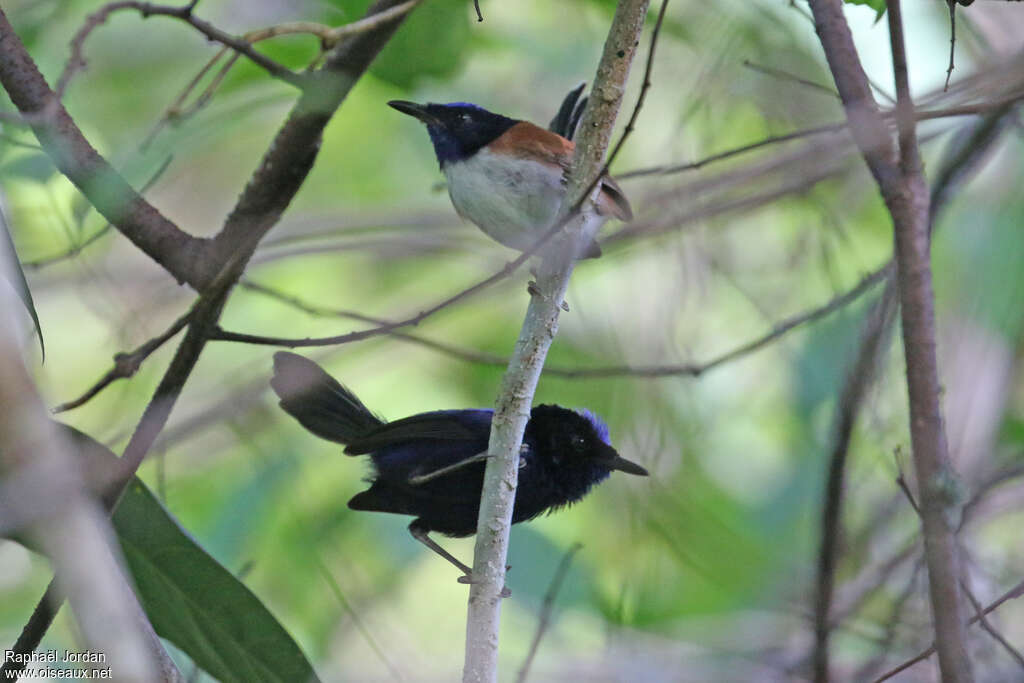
point(458, 129)
point(564, 453)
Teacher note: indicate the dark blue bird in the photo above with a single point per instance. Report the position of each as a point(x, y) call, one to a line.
point(508, 176)
point(431, 465)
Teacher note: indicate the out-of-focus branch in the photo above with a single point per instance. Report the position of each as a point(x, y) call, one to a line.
point(178, 252)
point(546, 609)
point(1012, 594)
point(963, 159)
point(873, 342)
point(899, 176)
point(31, 635)
point(185, 13)
point(126, 364)
point(824, 129)
point(512, 408)
point(909, 204)
point(41, 471)
point(691, 369)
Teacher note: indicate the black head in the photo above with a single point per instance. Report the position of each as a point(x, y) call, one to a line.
point(458, 130)
point(577, 439)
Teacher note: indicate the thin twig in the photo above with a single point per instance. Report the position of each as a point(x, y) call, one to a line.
point(952, 41)
point(77, 60)
point(786, 76)
point(697, 369)
point(472, 356)
point(127, 364)
point(1015, 592)
point(32, 634)
point(988, 627)
point(357, 620)
point(95, 237)
point(859, 377)
point(547, 608)
point(179, 253)
point(921, 115)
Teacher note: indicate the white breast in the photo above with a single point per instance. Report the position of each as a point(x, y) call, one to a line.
point(514, 201)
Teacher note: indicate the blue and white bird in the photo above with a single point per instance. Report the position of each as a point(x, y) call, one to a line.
point(509, 176)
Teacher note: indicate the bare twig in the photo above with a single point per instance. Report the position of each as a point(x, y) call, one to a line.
point(358, 621)
point(786, 76)
point(77, 60)
point(697, 369)
point(952, 41)
point(692, 369)
point(953, 171)
point(178, 252)
point(858, 379)
point(1015, 592)
point(921, 115)
point(126, 364)
point(95, 237)
point(898, 174)
point(32, 633)
point(988, 627)
point(512, 408)
point(546, 609)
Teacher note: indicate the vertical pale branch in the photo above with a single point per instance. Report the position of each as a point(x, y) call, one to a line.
point(512, 409)
point(900, 177)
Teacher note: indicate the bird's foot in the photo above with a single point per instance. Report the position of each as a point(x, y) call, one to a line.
point(468, 579)
point(532, 289)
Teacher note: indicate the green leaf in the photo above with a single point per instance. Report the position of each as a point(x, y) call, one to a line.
point(191, 599)
point(430, 43)
point(16, 276)
point(877, 5)
point(199, 605)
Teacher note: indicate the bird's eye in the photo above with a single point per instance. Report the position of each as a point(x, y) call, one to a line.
point(465, 118)
point(578, 443)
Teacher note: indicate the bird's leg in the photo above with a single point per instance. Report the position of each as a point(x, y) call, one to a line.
point(424, 478)
point(421, 535)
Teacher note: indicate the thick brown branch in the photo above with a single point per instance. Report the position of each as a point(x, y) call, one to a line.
point(178, 252)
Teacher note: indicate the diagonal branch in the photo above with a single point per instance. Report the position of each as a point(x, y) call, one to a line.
point(177, 251)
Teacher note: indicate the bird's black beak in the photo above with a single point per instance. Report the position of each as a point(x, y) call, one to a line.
point(418, 111)
point(611, 459)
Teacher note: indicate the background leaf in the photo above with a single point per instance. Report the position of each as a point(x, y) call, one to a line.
point(16, 276)
point(199, 605)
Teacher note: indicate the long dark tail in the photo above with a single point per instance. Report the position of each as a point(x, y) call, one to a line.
point(318, 401)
